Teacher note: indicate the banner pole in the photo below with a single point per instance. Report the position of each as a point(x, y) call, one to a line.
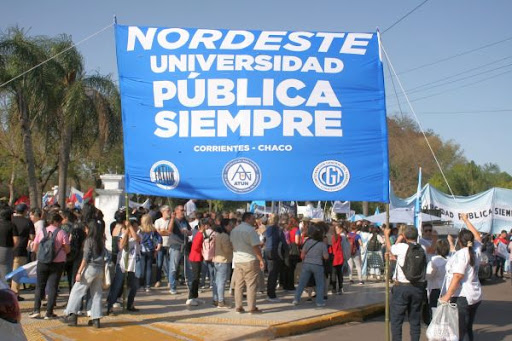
point(386, 275)
point(125, 260)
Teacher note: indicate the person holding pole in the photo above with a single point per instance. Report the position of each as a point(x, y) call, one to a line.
point(126, 265)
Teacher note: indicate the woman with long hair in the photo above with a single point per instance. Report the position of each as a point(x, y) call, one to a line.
point(436, 271)
point(462, 284)
point(150, 244)
point(313, 253)
point(222, 261)
point(337, 260)
point(196, 258)
point(89, 276)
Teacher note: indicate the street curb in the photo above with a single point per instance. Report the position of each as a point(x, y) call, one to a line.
point(309, 324)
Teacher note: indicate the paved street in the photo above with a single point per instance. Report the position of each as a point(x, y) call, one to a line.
point(493, 321)
point(166, 317)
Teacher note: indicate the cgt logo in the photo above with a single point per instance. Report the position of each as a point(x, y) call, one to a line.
point(331, 176)
point(241, 175)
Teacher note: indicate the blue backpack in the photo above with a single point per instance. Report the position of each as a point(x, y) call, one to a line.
point(46, 251)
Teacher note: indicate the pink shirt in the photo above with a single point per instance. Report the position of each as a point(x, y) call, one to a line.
point(62, 239)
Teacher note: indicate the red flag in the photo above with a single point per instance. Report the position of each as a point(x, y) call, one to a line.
point(23, 200)
point(88, 196)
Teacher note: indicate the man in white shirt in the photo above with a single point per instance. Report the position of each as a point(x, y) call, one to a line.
point(428, 240)
point(406, 297)
point(190, 207)
point(248, 262)
point(163, 228)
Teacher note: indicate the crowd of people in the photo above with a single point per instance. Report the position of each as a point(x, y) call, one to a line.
point(231, 251)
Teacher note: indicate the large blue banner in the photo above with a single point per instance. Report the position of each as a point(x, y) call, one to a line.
point(251, 115)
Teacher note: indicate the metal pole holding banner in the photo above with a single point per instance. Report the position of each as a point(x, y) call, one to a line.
point(127, 250)
point(386, 275)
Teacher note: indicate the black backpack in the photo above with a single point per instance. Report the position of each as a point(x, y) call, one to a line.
point(46, 251)
point(374, 244)
point(415, 265)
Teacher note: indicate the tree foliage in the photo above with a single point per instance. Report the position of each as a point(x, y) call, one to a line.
point(55, 117)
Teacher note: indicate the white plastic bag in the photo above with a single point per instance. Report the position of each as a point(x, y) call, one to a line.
point(445, 323)
point(107, 277)
point(501, 250)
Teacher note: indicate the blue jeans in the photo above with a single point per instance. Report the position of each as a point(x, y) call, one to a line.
point(92, 279)
point(207, 268)
point(221, 275)
point(309, 270)
point(117, 287)
point(162, 263)
point(175, 257)
point(147, 267)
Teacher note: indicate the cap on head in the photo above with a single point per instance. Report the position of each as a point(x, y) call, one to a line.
point(20, 208)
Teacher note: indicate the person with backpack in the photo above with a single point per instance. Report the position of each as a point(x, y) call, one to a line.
point(222, 261)
point(409, 282)
point(150, 244)
point(51, 245)
point(462, 285)
point(374, 254)
point(274, 239)
point(89, 276)
point(355, 253)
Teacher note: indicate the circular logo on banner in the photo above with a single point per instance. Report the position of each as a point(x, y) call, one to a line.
point(331, 176)
point(241, 175)
point(165, 175)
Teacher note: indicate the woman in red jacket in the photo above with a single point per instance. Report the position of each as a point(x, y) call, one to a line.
point(337, 263)
point(196, 259)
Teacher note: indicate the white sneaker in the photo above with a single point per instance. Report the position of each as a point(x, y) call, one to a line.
point(148, 290)
point(273, 300)
point(117, 305)
point(89, 313)
point(173, 292)
point(320, 305)
point(191, 302)
point(35, 315)
point(295, 302)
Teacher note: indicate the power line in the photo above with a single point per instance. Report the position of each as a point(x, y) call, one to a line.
point(405, 16)
point(460, 87)
point(483, 111)
point(424, 87)
point(418, 122)
point(459, 74)
point(396, 92)
point(56, 55)
point(456, 55)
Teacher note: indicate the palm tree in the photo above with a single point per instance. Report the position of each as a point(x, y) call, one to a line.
point(87, 108)
point(27, 94)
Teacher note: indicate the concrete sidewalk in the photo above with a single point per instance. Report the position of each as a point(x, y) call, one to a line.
point(166, 317)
